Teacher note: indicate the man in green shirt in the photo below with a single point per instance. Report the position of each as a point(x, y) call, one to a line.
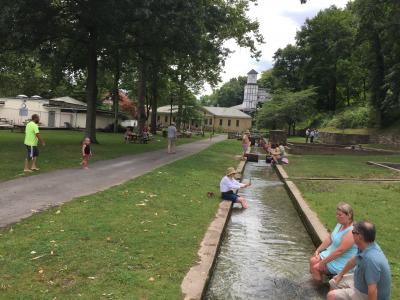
point(32, 136)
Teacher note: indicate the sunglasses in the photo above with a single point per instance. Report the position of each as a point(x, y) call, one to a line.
point(355, 232)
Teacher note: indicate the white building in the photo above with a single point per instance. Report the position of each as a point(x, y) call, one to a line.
point(253, 95)
point(63, 112)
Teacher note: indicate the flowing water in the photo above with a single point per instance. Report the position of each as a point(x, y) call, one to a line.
point(265, 251)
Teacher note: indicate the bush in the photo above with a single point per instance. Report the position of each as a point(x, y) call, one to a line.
point(355, 117)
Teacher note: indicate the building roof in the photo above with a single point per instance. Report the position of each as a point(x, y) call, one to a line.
point(252, 71)
point(167, 109)
point(239, 107)
point(69, 100)
point(226, 112)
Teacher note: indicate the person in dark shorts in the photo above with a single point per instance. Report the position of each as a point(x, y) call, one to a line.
point(32, 137)
point(227, 186)
point(86, 153)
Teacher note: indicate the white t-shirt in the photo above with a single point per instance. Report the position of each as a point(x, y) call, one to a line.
point(171, 132)
point(228, 184)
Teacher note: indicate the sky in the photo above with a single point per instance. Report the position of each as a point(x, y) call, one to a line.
point(279, 21)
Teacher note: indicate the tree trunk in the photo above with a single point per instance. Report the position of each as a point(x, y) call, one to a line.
point(154, 107)
point(378, 80)
point(141, 97)
point(180, 103)
point(91, 88)
point(115, 93)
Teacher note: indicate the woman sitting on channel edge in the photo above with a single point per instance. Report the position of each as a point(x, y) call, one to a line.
point(334, 252)
point(227, 186)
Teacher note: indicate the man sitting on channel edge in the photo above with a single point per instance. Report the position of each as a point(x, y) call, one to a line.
point(372, 272)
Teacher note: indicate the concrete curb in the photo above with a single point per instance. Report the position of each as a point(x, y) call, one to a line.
point(196, 280)
point(314, 226)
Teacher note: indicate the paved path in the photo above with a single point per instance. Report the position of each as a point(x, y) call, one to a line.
point(20, 198)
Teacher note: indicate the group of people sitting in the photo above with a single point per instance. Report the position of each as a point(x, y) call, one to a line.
point(130, 136)
point(350, 255)
point(276, 153)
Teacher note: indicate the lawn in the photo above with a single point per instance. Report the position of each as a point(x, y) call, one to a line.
point(347, 166)
point(134, 241)
point(376, 201)
point(63, 150)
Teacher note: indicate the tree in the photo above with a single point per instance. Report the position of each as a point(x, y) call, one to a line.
point(288, 108)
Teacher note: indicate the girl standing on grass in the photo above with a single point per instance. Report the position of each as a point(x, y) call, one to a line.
point(86, 153)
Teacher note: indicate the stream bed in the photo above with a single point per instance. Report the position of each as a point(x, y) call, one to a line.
point(265, 250)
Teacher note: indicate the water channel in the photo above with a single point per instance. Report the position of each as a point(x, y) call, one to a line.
point(265, 250)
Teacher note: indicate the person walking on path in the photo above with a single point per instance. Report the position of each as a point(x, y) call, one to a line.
point(228, 185)
point(32, 137)
point(245, 143)
point(307, 134)
point(171, 138)
point(86, 153)
point(372, 277)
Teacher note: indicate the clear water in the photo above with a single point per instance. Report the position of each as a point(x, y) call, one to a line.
point(265, 251)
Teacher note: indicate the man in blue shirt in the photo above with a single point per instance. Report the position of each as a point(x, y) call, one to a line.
point(372, 277)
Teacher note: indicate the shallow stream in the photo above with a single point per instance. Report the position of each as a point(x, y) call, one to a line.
point(265, 250)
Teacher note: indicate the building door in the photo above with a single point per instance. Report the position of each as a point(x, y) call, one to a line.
point(52, 119)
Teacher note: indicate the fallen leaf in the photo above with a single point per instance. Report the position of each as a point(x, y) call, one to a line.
point(37, 257)
point(92, 277)
point(151, 279)
point(58, 212)
point(33, 252)
point(40, 271)
point(142, 192)
point(141, 204)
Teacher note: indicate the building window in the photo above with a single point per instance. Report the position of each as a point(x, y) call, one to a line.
point(205, 122)
point(237, 123)
point(229, 123)
point(166, 119)
point(210, 121)
point(220, 122)
point(158, 118)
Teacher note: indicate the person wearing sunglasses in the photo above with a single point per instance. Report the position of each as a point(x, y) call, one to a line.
point(372, 276)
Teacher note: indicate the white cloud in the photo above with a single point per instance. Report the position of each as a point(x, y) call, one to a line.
point(279, 21)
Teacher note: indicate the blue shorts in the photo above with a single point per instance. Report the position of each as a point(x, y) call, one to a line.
point(32, 151)
point(230, 196)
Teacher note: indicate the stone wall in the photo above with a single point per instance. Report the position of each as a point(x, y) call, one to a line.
point(385, 139)
point(304, 149)
point(278, 136)
point(343, 139)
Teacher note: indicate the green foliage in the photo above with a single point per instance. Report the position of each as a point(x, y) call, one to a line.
point(356, 117)
point(229, 94)
point(287, 108)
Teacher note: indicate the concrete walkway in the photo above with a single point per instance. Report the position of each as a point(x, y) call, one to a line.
point(23, 197)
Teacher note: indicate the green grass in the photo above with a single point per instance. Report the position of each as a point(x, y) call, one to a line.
point(63, 150)
point(348, 166)
point(296, 139)
point(112, 245)
point(383, 146)
point(378, 202)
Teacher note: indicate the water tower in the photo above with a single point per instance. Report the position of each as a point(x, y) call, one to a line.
point(250, 98)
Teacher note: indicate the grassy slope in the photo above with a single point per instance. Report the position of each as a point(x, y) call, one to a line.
point(63, 150)
point(378, 202)
point(110, 244)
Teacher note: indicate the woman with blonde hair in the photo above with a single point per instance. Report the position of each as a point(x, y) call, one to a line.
point(334, 252)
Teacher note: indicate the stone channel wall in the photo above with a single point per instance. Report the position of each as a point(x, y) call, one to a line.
point(355, 139)
point(314, 226)
point(327, 149)
point(194, 285)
